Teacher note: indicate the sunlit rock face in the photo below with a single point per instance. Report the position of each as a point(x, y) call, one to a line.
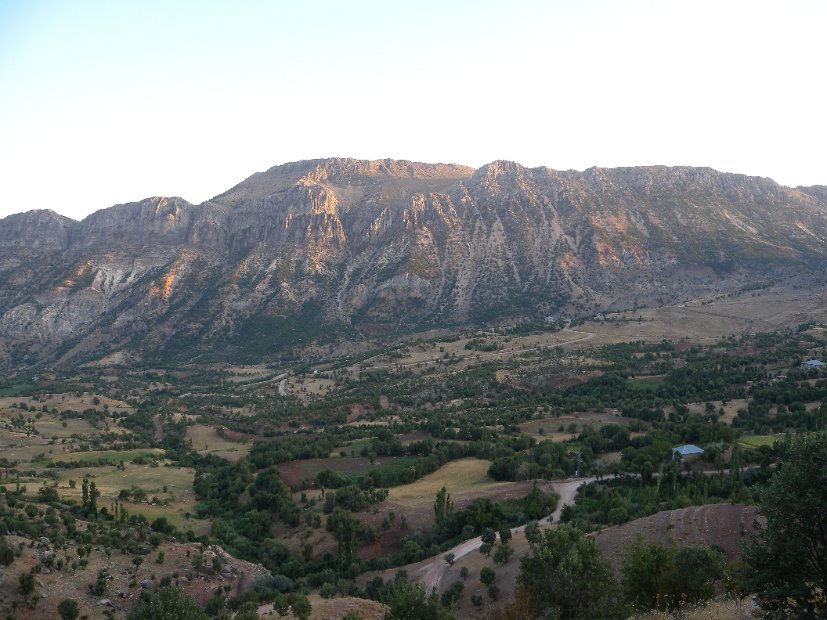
point(316, 250)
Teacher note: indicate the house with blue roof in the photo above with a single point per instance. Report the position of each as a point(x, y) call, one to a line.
point(685, 451)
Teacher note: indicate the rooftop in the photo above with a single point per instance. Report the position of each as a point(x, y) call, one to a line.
point(688, 449)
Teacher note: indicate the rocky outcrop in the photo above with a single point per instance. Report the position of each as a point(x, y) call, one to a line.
point(42, 230)
point(312, 249)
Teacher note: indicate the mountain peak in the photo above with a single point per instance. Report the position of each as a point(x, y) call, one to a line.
point(341, 170)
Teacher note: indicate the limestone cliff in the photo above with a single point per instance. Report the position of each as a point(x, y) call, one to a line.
point(316, 249)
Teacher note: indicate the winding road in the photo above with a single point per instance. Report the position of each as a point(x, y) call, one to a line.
point(430, 574)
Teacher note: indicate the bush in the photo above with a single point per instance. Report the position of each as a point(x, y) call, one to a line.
point(487, 575)
point(328, 590)
point(503, 553)
point(168, 603)
point(617, 515)
point(68, 609)
point(6, 552)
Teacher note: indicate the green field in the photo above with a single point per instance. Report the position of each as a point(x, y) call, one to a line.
point(14, 390)
point(99, 457)
point(756, 441)
point(644, 384)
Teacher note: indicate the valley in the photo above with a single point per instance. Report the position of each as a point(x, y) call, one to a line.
point(313, 482)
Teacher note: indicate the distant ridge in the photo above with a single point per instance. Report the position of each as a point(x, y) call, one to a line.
point(321, 249)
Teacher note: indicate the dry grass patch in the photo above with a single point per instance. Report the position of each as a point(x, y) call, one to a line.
point(67, 401)
point(460, 477)
point(206, 440)
point(730, 408)
point(309, 386)
point(177, 500)
point(333, 609)
point(18, 448)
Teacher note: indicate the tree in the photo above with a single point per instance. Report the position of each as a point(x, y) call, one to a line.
point(92, 504)
point(697, 569)
point(68, 609)
point(6, 552)
point(532, 532)
point(345, 529)
point(487, 575)
point(408, 602)
point(503, 553)
point(168, 603)
point(301, 606)
point(566, 576)
point(657, 577)
point(449, 558)
point(505, 535)
point(443, 507)
point(534, 504)
point(786, 562)
point(644, 572)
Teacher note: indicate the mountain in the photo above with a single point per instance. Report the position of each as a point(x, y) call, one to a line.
point(317, 250)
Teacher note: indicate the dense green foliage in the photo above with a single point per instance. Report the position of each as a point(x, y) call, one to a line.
point(168, 603)
point(565, 576)
point(657, 577)
point(787, 561)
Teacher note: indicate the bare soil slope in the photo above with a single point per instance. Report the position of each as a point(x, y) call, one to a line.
point(727, 525)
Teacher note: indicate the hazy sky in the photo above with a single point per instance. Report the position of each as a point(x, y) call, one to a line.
point(108, 102)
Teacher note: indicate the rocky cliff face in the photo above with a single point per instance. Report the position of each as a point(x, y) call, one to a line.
point(317, 248)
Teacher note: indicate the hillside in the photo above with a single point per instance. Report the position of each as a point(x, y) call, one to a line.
point(326, 250)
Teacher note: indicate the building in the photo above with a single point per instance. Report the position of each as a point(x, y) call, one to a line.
point(685, 451)
point(813, 364)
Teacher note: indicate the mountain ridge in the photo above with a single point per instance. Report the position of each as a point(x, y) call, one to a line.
point(310, 249)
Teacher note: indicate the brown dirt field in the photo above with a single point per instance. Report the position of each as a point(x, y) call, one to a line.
point(727, 525)
point(294, 472)
point(413, 436)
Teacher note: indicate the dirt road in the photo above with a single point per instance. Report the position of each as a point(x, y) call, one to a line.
point(159, 429)
point(430, 574)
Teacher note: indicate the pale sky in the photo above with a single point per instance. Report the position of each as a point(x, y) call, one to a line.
point(106, 102)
